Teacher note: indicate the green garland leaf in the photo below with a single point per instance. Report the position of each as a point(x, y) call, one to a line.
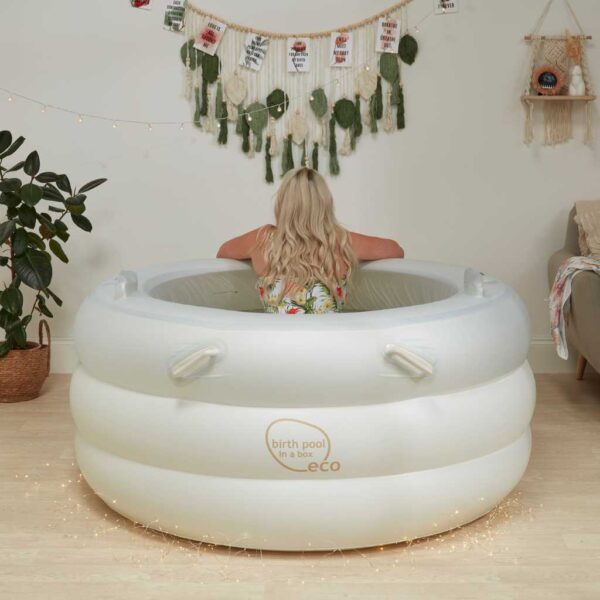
point(408, 49)
point(388, 67)
point(194, 54)
point(315, 156)
point(318, 102)
point(334, 165)
point(277, 102)
point(343, 111)
point(268, 166)
point(210, 68)
point(357, 127)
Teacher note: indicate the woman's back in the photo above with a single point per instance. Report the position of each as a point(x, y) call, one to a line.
point(305, 261)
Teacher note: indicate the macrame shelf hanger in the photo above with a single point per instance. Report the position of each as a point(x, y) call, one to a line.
point(558, 76)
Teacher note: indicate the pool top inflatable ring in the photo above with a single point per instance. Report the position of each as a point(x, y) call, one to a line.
point(402, 417)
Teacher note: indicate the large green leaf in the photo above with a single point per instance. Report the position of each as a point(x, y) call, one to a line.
point(82, 222)
point(63, 183)
point(10, 185)
point(6, 230)
point(11, 300)
point(47, 177)
point(91, 185)
point(10, 199)
point(27, 215)
point(5, 348)
point(19, 336)
point(5, 140)
point(20, 242)
point(43, 308)
point(32, 164)
point(78, 199)
point(52, 194)
point(36, 240)
point(57, 250)
point(31, 194)
point(53, 296)
point(13, 148)
point(16, 166)
point(34, 269)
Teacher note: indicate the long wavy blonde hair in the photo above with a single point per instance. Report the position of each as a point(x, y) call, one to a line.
point(307, 245)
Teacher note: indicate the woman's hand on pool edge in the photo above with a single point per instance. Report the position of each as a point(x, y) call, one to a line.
point(368, 247)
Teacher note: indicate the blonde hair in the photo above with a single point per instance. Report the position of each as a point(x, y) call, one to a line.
point(308, 245)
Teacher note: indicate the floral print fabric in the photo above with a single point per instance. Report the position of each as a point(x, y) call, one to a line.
point(560, 298)
point(314, 299)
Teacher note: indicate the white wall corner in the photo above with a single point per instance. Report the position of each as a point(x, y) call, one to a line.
point(542, 357)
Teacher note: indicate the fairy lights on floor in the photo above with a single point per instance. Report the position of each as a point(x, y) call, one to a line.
point(81, 516)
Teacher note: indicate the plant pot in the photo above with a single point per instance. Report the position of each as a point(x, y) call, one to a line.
point(23, 371)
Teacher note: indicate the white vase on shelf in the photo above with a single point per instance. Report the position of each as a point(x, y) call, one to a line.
point(577, 85)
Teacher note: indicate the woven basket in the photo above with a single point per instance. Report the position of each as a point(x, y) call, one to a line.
point(23, 371)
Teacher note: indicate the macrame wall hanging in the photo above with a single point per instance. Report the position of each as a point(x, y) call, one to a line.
point(558, 78)
point(296, 95)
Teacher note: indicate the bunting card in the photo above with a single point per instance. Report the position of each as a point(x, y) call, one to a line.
point(209, 37)
point(298, 52)
point(145, 4)
point(254, 51)
point(441, 7)
point(341, 49)
point(174, 15)
point(388, 35)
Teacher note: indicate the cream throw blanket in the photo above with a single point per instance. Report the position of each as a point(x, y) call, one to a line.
point(588, 222)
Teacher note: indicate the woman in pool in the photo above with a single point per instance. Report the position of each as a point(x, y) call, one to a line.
point(304, 262)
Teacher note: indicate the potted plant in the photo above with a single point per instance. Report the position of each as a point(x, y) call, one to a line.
point(38, 208)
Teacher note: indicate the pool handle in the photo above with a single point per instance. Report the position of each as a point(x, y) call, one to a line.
point(189, 365)
point(409, 360)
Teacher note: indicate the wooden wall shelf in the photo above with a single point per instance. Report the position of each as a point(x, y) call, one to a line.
point(559, 98)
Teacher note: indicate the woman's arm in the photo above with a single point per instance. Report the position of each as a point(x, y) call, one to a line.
point(241, 247)
point(367, 247)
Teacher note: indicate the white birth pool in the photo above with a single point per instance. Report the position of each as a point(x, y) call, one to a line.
point(404, 416)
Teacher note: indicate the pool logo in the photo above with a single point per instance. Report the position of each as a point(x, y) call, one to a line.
point(300, 446)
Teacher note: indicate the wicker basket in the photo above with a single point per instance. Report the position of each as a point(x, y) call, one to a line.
point(23, 372)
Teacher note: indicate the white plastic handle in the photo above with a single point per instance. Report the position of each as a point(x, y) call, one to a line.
point(410, 361)
point(187, 366)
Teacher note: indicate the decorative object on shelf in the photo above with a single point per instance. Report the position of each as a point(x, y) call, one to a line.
point(558, 76)
point(320, 76)
point(28, 238)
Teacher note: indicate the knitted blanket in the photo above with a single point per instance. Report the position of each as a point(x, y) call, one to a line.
point(560, 298)
point(588, 224)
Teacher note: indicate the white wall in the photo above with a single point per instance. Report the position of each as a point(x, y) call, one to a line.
point(457, 185)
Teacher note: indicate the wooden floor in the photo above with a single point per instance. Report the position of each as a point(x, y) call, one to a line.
point(59, 541)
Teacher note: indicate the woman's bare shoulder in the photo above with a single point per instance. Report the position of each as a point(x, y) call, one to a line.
point(368, 247)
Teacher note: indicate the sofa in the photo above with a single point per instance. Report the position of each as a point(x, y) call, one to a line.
point(583, 328)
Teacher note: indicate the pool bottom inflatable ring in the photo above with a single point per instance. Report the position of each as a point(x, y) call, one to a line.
point(311, 433)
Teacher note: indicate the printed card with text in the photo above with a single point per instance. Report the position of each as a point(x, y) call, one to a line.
point(254, 51)
point(174, 15)
point(442, 7)
point(341, 49)
point(210, 36)
point(298, 53)
point(388, 35)
point(145, 4)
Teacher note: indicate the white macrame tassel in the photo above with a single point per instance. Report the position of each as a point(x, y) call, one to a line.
point(528, 134)
point(272, 135)
point(346, 148)
point(251, 140)
point(388, 123)
point(557, 122)
point(210, 124)
point(232, 112)
point(589, 130)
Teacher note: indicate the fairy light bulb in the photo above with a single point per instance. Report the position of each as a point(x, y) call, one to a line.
point(367, 68)
point(417, 29)
point(114, 125)
point(311, 99)
point(149, 126)
point(80, 119)
point(249, 117)
point(43, 109)
point(10, 98)
point(181, 127)
point(279, 108)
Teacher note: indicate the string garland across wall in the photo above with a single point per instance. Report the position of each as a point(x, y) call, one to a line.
point(292, 95)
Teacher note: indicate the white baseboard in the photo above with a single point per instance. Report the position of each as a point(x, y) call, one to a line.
point(542, 357)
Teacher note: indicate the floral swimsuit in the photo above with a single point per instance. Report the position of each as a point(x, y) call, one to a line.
point(314, 299)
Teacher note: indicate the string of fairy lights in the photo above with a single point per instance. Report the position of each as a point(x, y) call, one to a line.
point(82, 116)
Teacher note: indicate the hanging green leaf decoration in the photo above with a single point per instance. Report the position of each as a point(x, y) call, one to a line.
point(210, 68)
point(396, 91)
point(277, 102)
point(388, 67)
point(221, 115)
point(315, 156)
point(204, 104)
point(408, 48)
point(303, 159)
point(378, 103)
point(268, 166)
point(318, 102)
point(287, 156)
point(197, 121)
point(245, 130)
point(344, 112)
point(373, 114)
point(238, 124)
point(357, 127)
point(400, 110)
point(257, 117)
point(334, 165)
point(194, 54)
